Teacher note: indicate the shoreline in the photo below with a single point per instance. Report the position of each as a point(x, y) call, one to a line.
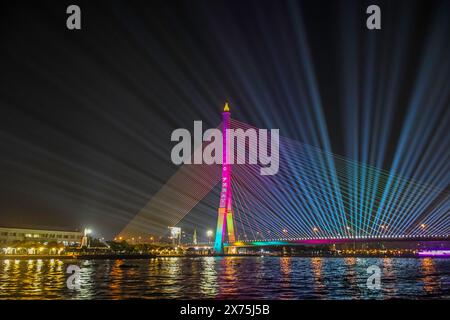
point(152, 256)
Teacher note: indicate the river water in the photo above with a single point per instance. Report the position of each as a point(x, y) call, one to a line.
point(226, 278)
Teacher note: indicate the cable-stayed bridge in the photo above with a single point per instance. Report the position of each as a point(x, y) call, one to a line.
point(316, 197)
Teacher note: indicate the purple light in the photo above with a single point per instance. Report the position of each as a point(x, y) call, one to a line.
point(435, 253)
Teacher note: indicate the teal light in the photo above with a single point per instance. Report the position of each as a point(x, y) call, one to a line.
point(270, 243)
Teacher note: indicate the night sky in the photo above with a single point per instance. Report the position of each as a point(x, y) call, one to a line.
point(86, 115)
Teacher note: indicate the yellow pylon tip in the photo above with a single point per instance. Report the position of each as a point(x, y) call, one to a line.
point(227, 107)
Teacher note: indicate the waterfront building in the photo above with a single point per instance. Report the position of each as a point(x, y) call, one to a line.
point(10, 235)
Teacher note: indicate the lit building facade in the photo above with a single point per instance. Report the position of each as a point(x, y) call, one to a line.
point(10, 235)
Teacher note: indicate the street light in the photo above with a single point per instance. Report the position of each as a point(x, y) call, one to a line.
point(209, 234)
point(87, 231)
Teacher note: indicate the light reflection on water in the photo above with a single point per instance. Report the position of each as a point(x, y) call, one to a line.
point(226, 278)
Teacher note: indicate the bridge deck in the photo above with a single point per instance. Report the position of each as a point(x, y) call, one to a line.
point(298, 241)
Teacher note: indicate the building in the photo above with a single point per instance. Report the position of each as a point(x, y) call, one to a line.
point(10, 235)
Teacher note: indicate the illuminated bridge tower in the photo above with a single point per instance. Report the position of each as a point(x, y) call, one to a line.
point(225, 221)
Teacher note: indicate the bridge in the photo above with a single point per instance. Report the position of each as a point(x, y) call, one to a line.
point(317, 197)
point(325, 241)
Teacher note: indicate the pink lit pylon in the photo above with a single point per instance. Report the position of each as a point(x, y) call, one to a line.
point(225, 221)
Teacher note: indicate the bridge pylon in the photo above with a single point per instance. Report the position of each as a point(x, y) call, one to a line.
point(225, 220)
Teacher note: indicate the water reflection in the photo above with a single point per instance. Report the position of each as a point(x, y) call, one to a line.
point(429, 277)
point(317, 265)
point(227, 275)
point(226, 278)
point(208, 282)
point(115, 276)
point(285, 279)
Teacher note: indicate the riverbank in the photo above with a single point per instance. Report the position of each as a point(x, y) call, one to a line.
point(150, 256)
point(79, 256)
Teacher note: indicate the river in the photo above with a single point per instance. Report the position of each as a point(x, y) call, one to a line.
point(226, 278)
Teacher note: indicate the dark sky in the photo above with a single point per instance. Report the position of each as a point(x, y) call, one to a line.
point(86, 116)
